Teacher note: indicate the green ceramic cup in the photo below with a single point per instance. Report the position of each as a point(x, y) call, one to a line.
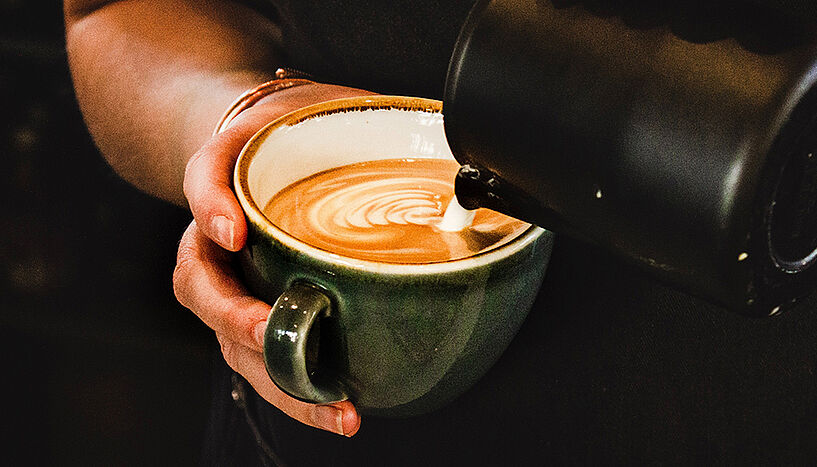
point(395, 339)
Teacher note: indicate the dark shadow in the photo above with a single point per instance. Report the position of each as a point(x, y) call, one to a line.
point(758, 28)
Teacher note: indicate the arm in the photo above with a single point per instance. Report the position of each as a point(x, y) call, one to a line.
point(153, 77)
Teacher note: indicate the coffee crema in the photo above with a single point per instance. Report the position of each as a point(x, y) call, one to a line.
point(386, 211)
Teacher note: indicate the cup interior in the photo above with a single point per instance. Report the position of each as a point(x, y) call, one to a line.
point(341, 132)
point(335, 134)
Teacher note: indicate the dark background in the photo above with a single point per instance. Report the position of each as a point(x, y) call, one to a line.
point(101, 366)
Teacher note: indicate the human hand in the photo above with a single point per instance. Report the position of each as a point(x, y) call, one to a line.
point(204, 280)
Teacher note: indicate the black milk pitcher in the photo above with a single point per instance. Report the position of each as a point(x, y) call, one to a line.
point(679, 135)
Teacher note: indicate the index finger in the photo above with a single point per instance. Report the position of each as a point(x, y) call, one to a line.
point(208, 182)
point(205, 282)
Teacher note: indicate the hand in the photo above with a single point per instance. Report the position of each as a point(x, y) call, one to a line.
point(204, 280)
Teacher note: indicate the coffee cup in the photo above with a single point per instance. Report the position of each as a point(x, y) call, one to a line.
point(396, 338)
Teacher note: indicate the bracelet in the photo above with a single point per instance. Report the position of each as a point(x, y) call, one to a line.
point(285, 78)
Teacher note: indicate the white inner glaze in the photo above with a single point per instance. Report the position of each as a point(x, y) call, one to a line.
point(311, 146)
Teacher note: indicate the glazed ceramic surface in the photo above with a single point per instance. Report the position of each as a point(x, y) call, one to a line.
point(395, 339)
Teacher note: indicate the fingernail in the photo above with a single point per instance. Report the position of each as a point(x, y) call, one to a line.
point(225, 231)
point(260, 330)
point(329, 418)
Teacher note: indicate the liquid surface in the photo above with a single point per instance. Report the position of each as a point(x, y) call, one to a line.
point(386, 211)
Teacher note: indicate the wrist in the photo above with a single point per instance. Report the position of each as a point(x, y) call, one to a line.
point(283, 100)
point(285, 78)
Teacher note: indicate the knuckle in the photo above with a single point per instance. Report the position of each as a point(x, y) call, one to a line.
point(234, 130)
point(243, 316)
point(189, 172)
point(180, 282)
point(231, 318)
point(182, 272)
point(184, 258)
point(205, 185)
point(229, 350)
point(196, 169)
point(236, 320)
point(196, 159)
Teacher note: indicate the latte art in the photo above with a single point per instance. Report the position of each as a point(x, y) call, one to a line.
point(387, 211)
point(366, 206)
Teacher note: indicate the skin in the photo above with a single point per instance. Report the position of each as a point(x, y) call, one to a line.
point(152, 88)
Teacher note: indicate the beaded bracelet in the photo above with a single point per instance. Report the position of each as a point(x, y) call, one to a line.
point(285, 78)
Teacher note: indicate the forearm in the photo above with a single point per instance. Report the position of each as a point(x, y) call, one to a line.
point(154, 76)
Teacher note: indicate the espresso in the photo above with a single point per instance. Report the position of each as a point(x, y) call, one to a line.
point(386, 211)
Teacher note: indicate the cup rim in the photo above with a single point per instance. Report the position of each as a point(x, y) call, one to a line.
point(255, 216)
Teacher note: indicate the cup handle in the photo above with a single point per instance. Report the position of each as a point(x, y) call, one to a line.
point(292, 318)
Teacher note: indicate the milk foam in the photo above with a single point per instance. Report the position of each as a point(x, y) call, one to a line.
point(456, 217)
point(391, 211)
